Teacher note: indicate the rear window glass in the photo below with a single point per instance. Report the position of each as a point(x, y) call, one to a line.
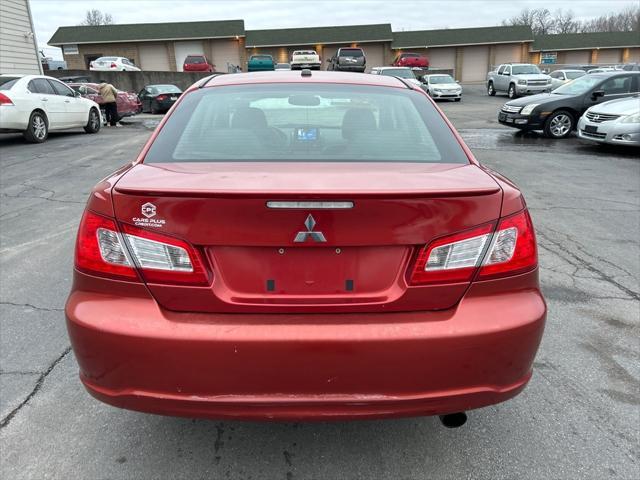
point(410, 55)
point(166, 89)
point(194, 60)
point(107, 59)
point(305, 123)
point(398, 72)
point(351, 52)
point(7, 82)
point(304, 52)
point(574, 75)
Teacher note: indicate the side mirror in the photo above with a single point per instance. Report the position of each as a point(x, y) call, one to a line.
point(597, 94)
point(457, 81)
point(76, 93)
point(328, 60)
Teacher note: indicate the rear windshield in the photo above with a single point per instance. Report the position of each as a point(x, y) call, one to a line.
point(194, 60)
point(304, 52)
point(398, 72)
point(107, 59)
point(305, 123)
point(410, 55)
point(351, 52)
point(574, 75)
point(261, 57)
point(7, 82)
point(167, 89)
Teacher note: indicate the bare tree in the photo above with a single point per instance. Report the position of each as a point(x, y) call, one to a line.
point(96, 17)
point(543, 22)
point(565, 22)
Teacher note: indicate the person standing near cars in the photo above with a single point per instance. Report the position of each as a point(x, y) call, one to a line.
point(109, 94)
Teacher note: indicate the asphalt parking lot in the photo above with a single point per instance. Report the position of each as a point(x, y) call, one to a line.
point(578, 418)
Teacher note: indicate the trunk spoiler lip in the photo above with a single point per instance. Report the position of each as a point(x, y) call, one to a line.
point(309, 195)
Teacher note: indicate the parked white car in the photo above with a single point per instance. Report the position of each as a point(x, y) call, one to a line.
point(113, 64)
point(442, 86)
point(560, 77)
point(305, 59)
point(405, 73)
point(616, 122)
point(36, 104)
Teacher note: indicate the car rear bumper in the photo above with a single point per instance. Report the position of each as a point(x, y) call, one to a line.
point(134, 354)
point(299, 66)
point(12, 119)
point(350, 68)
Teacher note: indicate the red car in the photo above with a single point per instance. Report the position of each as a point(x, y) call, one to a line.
point(127, 103)
point(411, 60)
point(197, 63)
point(305, 245)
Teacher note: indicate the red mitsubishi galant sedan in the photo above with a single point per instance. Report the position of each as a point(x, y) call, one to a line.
point(305, 245)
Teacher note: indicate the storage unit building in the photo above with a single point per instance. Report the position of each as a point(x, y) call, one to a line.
point(281, 43)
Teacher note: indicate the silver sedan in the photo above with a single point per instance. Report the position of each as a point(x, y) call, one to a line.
point(616, 122)
point(560, 77)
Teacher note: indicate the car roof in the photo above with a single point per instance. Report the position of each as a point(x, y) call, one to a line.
point(294, 76)
point(613, 73)
point(391, 68)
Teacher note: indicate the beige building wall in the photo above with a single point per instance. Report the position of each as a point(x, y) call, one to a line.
point(18, 53)
point(610, 55)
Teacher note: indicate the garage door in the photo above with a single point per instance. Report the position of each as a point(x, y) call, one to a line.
point(577, 57)
point(153, 57)
point(225, 53)
point(374, 54)
point(609, 55)
point(442, 58)
point(183, 49)
point(475, 64)
point(507, 53)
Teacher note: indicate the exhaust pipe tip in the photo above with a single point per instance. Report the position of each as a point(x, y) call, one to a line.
point(454, 420)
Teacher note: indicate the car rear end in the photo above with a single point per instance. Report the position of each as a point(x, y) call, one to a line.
point(104, 64)
point(15, 106)
point(305, 59)
point(128, 104)
point(348, 274)
point(260, 63)
point(196, 63)
point(351, 60)
point(165, 98)
point(413, 60)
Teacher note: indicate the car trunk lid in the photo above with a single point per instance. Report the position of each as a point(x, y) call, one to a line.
point(308, 237)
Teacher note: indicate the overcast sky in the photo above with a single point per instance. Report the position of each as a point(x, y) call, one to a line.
point(48, 15)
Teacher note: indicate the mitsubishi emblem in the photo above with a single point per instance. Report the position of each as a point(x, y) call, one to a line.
point(310, 223)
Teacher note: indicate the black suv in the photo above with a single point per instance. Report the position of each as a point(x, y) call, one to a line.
point(557, 113)
point(348, 59)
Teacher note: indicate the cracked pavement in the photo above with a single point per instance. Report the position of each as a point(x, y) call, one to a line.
point(578, 418)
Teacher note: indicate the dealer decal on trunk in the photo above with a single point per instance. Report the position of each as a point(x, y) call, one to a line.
point(149, 211)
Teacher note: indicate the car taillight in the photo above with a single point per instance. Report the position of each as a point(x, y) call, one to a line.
point(510, 250)
point(104, 250)
point(4, 100)
point(113, 65)
point(161, 97)
point(513, 249)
